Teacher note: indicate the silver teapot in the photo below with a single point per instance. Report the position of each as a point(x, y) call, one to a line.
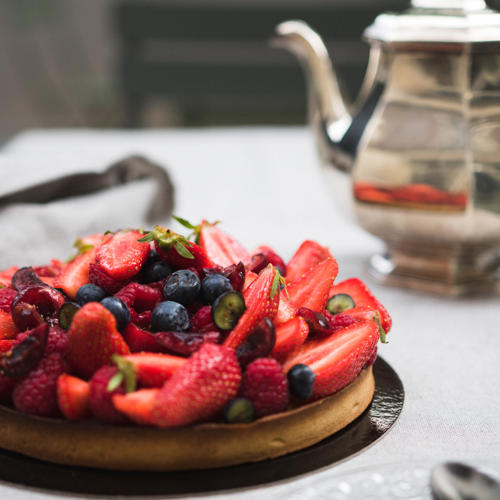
point(421, 144)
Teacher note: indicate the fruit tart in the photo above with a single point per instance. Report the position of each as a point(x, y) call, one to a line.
point(154, 351)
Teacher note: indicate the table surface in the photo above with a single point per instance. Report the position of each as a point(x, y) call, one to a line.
point(266, 185)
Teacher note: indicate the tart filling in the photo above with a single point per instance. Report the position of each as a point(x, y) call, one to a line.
point(196, 348)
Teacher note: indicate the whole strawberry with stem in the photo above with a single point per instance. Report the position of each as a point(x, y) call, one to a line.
point(177, 249)
point(198, 390)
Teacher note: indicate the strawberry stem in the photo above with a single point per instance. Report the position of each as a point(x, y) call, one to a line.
point(166, 238)
point(126, 372)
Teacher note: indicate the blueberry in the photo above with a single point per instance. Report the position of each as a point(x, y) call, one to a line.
point(227, 309)
point(90, 293)
point(182, 286)
point(156, 271)
point(301, 381)
point(119, 310)
point(169, 316)
point(339, 303)
point(213, 286)
point(66, 313)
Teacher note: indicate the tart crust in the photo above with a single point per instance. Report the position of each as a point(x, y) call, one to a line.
point(200, 446)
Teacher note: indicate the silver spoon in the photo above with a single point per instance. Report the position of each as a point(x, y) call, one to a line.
point(456, 481)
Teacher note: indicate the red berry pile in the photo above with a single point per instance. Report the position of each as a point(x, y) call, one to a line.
point(156, 329)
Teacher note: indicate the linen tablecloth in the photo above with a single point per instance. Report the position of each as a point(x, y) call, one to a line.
point(266, 186)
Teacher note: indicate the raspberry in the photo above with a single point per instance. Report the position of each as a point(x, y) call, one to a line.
point(201, 321)
point(141, 300)
point(100, 399)
point(338, 321)
point(37, 392)
point(265, 385)
point(98, 276)
point(6, 297)
point(56, 340)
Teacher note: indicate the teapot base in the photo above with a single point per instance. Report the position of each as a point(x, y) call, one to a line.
point(448, 271)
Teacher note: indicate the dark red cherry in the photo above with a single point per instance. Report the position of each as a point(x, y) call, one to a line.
point(258, 344)
point(184, 343)
point(318, 324)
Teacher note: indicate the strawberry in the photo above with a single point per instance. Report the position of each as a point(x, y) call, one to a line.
point(6, 297)
point(286, 311)
point(98, 276)
point(361, 313)
point(362, 296)
point(136, 405)
point(177, 250)
point(138, 339)
point(153, 369)
point(93, 339)
point(308, 255)
point(312, 289)
point(337, 360)
point(272, 257)
point(8, 329)
point(221, 248)
point(101, 391)
point(250, 277)
point(289, 336)
point(266, 386)
point(76, 273)
point(261, 300)
point(200, 389)
point(37, 392)
point(6, 276)
point(73, 397)
point(6, 345)
point(372, 358)
point(122, 255)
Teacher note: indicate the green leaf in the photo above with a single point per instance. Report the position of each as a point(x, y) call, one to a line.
point(1, 286)
point(127, 370)
point(275, 285)
point(184, 222)
point(182, 250)
point(115, 381)
point(146, 238)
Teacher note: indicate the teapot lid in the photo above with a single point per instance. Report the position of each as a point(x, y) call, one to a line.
point(442, 21)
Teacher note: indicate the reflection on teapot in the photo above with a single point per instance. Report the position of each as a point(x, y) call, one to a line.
point(421, 144)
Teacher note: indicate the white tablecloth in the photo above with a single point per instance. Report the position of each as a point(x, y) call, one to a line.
point(266, 186)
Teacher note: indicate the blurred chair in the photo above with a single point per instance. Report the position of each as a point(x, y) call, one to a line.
point(212, 59)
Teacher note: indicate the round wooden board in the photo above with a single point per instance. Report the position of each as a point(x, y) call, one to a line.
point(373, 423)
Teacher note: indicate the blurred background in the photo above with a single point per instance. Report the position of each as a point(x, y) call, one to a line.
point(163, 63)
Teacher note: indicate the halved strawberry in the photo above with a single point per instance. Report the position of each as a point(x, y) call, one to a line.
point(289, 336)
point(178, 250)
point(6, 297)
point(8, 329)
point(93, 339)
point(221, 248)
point(98, 276)
point(286, 311)
point(249, 279)
point(261, 300)
point(308, 255)
point(153, 369)
point(122, 256)
point(362, 296)
point(337, 360)
point(73, 397)
point(312, 289)
point(136, 405)
point(6, 276)
point(76, 273)
point(200, 389)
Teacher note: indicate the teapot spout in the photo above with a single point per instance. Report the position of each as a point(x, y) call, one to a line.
point(328, 113)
